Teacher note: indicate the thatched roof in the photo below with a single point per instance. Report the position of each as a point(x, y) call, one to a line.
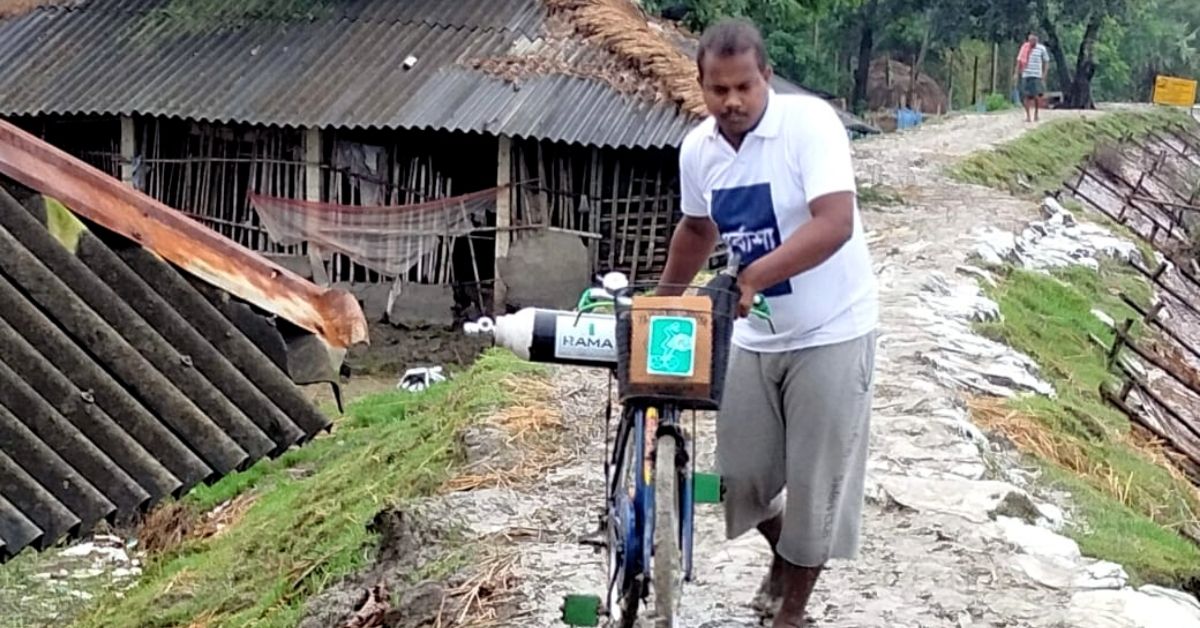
point(659, 54)
point(12, 8)
point(641, 42)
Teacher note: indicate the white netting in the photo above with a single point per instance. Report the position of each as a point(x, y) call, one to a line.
point(389, 239)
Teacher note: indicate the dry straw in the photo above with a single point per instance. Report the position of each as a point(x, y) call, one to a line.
point(626, 31)
point(1032, 437)
point(532, 430)
point(12, 8)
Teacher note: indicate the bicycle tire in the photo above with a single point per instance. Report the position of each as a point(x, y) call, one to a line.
point(626, 462)
point(668, 554)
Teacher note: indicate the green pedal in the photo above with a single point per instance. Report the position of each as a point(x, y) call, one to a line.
point(581, 610)
point(707, 488)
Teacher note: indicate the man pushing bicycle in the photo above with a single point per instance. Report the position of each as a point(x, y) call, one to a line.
point(771, 175)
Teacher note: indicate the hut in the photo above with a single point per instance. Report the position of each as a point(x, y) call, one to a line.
point(386, 146)
point(891, 86)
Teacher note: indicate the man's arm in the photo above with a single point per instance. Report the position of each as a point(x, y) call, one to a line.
point(696, 235)
point(692, 242)
point(832, 225)
point(822, 161)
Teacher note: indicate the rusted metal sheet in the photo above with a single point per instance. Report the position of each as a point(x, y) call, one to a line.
point(332, 314)
point(121, 380)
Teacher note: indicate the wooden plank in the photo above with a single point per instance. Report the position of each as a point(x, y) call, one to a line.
point(312, 165)
point(596, 207)
point(616, 192)
point(503, 217)
point(1136, 417)
point(1158, 362)
point(1185, 206)
point(1151, 318)
point(128, 150)
point(316, 258)
point(1171, 231)
point(1156, 277)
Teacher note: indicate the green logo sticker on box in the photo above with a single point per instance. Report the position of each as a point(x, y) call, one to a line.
point(672, 350)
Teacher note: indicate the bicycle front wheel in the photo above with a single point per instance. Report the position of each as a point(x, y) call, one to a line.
point(667, 572)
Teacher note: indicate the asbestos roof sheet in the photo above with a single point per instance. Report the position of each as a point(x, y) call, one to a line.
point(342, 65)
point(123, 379)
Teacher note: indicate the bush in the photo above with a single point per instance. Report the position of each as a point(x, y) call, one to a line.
point(998, 102)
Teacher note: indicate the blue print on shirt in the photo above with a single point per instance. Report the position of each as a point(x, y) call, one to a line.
point(746, 219)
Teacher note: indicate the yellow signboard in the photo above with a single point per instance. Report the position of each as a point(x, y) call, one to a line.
point(1169, 90)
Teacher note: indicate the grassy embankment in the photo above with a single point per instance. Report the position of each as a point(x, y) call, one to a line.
point(307, 524)
point(1131, 502)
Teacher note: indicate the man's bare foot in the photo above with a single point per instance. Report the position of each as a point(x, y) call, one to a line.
point(769, 597)
point(798, 585)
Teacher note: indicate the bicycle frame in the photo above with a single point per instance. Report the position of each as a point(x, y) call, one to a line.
point(646, 424)
point(649, 430)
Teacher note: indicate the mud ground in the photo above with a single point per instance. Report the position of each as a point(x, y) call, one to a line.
point(394, 350)
point(956, 532)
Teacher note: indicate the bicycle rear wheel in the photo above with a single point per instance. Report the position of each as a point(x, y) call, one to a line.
point(667, 572)
point(625, 571)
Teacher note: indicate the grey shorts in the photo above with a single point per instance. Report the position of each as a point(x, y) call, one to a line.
point(798, 420)
point(1032, 87)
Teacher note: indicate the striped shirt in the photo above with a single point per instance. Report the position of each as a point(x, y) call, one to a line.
point(1038, 58)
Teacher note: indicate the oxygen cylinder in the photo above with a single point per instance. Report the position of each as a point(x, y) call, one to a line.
point(554, 336)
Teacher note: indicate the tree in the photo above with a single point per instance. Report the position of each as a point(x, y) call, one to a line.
point(1099, 48)
point(1160, 37)
point(792, 31)
point(1092, 15)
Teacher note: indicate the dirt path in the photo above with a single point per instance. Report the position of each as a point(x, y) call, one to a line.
point(952, 537)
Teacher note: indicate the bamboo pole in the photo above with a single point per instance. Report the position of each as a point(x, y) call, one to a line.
point(627, 218)
point(595, 206)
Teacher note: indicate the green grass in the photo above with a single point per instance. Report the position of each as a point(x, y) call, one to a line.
point(1129, 503)
point(1115, 532)
point(878, 195)
point(308, 529)
point(1047, 155)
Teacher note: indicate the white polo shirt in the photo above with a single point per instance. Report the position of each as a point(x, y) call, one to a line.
point(759, 195)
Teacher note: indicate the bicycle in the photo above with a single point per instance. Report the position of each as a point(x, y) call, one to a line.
point(651, 483)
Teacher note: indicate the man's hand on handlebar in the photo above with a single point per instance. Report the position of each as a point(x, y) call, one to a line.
point(748, 293)
point(745, 303)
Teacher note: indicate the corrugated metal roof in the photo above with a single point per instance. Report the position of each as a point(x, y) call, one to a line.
point(344, 67)
point(122, 380)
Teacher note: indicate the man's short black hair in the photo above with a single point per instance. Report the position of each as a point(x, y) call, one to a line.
point(730, 37)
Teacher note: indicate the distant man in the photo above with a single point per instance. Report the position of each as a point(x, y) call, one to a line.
point(772, 176)
point(1032, 63)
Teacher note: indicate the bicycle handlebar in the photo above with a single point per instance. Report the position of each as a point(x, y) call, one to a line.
point(596, 297)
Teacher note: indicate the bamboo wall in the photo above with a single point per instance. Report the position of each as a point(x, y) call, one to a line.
point(623, 203)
